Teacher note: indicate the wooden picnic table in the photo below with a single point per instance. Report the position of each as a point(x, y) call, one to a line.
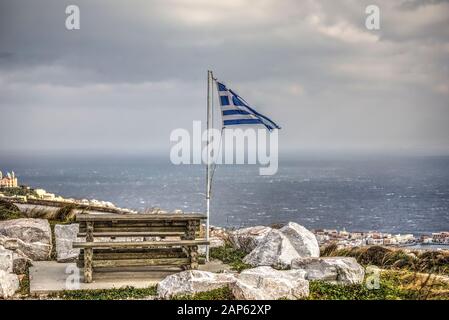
point(176, 243)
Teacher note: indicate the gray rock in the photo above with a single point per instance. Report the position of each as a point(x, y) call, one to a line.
point(247, 239)
point(266, 283)
point(6, 260)
point(34, 251)
point(9, 284)
point(20, 262)
point(31, 236)
point(65, 235)
point(303, 240)
point(275, 250)
point(191, 282)
point(338, 270)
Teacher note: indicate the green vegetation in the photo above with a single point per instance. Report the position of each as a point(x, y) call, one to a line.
point(9, 211)
point(231, 256)
point(394, 285)
point(24, 289)
point(18, 191)
point(417, 261)
point(110, 294)
point(217, 294)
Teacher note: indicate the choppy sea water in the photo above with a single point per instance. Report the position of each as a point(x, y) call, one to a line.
point(390, 194)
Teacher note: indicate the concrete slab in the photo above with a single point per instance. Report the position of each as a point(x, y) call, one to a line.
point(50, 276)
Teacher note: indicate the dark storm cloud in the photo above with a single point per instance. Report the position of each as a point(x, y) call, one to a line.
point(311, 65)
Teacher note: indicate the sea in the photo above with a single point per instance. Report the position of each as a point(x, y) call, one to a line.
point(395, 194)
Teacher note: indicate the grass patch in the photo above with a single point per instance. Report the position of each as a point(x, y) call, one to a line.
point(125, 293)
point(394, 285)
point(216, 294)
point(231, 256)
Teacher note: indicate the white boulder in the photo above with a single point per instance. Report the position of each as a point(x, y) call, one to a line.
point(338, 270)
point(31, 236)
point(9, 284)
point(192, 282)
point(276, 250)
point(247, 239)
point(266, 283)
point(65, 235)
point(303, 240)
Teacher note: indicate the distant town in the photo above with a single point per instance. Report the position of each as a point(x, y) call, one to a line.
point(11, 190)
point(344, 238)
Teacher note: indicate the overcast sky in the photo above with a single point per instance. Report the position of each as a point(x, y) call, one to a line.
point(136, 70)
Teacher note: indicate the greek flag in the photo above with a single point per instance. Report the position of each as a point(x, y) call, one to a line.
point(236, 111)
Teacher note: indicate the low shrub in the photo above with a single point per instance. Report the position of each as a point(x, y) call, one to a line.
point(107, 294)
point(392, 258)
point(9, 211)
point(217, 294)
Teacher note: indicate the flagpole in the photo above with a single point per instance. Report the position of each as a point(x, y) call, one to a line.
point(208, 176)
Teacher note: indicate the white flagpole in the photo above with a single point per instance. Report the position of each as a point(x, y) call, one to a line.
point(208, 176)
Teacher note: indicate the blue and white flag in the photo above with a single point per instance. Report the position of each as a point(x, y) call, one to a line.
point(236, 111)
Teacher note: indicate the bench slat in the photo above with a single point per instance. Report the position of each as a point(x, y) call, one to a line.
point(139, 244)
point(139, 217)
point(134, 234)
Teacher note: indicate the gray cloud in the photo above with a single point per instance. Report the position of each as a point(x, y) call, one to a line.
point(136, 70)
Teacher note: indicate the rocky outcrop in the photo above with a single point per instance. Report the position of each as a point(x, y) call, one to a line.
point(276, 250)
point(338, 270)
point(192, 282)
point(31, 236)
point(214, 243)
point(247, 239)
point(219, 233)
point(9, 284)
point(65, 235)
point(302, 240)
point(266, 283)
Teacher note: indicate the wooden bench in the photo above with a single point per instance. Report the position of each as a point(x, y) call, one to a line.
point(178, 244)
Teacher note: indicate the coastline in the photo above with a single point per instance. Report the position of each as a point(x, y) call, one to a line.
point(28, 200)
